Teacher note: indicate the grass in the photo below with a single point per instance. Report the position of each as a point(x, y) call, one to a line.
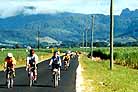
point(126, 56)
point(21, 54)
point(99, 78)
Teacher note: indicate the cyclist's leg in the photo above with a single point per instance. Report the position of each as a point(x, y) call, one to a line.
point(13, 73)
point(64, 63)
point(53, 66)
point(59, 73)
point(35, 74)
point(68, 63)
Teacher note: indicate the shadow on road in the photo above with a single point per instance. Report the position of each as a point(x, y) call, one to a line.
point(3, 86)
point(43, 85)
point(35, 85)
point(25, 85)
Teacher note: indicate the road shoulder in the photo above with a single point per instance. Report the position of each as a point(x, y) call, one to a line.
point(79, 78)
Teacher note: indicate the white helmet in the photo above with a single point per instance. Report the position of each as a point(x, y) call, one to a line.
point(29, 47)
point(9, 55)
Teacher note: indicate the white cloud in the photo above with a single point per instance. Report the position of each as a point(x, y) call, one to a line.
point(14, 7)
point(122, 4)
point(8, 9)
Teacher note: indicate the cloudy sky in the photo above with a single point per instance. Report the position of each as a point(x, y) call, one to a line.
point(14, 7)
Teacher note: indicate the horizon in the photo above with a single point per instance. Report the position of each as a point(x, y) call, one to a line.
point(10, 8)
point(60, 12)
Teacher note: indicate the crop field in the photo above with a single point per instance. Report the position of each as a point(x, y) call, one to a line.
point(126, 56)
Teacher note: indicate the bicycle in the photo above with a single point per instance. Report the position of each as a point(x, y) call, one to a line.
point(10, 77)
point(31, 76)
point(65, 65)
point(55, 77)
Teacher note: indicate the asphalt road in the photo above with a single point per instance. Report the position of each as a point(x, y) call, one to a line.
point(44, 83)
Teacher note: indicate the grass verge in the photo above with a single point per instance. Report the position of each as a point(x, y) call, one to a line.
point(98, 77)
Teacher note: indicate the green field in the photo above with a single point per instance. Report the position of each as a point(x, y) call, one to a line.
point(126, 56)
point(21, 54)
point(99, 78)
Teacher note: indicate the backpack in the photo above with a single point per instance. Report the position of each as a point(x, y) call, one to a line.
point(32, 61)
point(55, 60)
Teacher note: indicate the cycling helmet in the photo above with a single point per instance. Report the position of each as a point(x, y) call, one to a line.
point(9, 55)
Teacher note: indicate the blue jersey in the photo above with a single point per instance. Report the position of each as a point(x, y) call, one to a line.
point(56, 60)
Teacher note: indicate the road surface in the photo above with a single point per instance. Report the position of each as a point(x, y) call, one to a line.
point(44, 83)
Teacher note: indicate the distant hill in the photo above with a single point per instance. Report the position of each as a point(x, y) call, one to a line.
point(68, 27)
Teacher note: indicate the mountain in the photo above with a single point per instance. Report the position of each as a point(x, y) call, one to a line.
point(67, 27)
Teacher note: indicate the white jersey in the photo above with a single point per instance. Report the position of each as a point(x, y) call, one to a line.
point(30, 58)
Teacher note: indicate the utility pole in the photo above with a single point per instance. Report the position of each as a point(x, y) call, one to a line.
point(86, 39)
point(83, 40)
point(92, 36)
point(111, 34)
point(38, 40)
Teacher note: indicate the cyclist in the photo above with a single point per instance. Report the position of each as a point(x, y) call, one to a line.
point(66, 58)
point(55, 62)
point(10, 62)
point(32, 60)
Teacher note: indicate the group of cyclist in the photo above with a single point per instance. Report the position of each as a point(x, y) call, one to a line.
point(32, 61)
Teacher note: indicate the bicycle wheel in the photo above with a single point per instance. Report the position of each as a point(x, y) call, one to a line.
point(55, 80)
point(54, 76)
point(8, 80)
point(8, 83)
point(65, 66)
point(11, 82)
point(31, 79)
